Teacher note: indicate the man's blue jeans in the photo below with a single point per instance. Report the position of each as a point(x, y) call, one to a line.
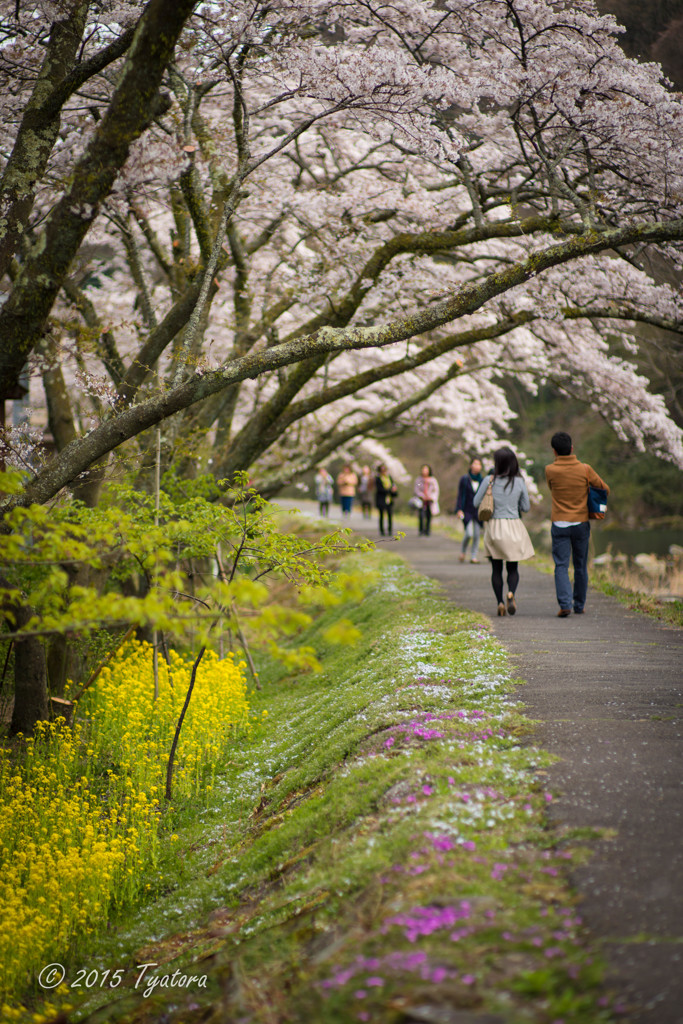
point(571, 541)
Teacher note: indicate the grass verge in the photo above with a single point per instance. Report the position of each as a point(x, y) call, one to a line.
point(377, 850)
point(670, 611)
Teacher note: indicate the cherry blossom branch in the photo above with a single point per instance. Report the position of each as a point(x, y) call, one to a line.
point(338, 438)
point(134, 105)
point(79, 455)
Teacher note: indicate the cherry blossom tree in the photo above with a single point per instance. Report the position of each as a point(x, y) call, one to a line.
point(281, 227)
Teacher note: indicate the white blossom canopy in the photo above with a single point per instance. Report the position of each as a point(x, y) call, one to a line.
point(285, 225)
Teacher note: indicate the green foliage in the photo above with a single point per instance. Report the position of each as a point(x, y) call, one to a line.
point(187, 567)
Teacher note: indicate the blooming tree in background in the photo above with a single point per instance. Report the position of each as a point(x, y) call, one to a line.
point(281, 226)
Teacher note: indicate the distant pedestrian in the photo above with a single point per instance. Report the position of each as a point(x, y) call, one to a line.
point(385, 493)
point(465, 510)
point(366, 487)
point(324, 489)
point(427, 491)
point(505, 535)
point(568, 480)
point(347, 482)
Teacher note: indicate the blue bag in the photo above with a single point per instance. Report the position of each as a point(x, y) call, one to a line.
point(597, 502)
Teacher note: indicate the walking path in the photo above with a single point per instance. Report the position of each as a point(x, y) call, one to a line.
point(607, 690)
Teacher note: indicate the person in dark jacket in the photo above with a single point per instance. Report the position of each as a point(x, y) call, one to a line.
point(465, 510)
point(385, 492)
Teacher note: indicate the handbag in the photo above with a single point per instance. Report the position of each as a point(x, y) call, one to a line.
point(485, 510)
point(597, 502)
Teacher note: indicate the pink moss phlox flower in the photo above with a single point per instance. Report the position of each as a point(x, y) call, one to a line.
point(469, 844)
point(406, 961)
point(468, 979)
point(548, 797)
point(360, 993)
point(549, 871)
point(374, 982)
point(427, 790)
point(552, 951)
point(390, 742)
point(423, 921)
point(440, 842)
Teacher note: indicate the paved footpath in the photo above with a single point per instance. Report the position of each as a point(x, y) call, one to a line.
point(607, 690)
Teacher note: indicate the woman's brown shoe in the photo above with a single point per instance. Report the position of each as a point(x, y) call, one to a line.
point(501, 608)
point(512, 607)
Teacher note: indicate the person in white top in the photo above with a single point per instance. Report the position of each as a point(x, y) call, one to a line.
point(427, 490)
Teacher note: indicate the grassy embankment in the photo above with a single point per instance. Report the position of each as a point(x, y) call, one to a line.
point(377, 850)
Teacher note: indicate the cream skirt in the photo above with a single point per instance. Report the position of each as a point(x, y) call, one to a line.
point(507, 539)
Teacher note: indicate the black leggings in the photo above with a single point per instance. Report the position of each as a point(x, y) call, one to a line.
point(389, 513)
point(425, 515)
point(497, 577)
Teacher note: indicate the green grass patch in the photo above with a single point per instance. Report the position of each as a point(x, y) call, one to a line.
point(376, 850)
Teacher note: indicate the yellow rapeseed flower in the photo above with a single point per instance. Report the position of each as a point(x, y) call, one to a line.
point(70, 847)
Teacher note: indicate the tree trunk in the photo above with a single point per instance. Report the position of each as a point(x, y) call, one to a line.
point(30, 680)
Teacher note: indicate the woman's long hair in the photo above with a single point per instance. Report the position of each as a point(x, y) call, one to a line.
point(505, 465)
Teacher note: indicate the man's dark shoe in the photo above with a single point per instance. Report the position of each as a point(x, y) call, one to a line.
point(563, 613)
point(578, 611)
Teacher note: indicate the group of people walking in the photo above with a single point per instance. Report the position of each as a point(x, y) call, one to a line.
point(367, 486)
point(506, 539)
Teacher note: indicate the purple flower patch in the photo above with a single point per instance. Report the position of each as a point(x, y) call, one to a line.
point(424, 920)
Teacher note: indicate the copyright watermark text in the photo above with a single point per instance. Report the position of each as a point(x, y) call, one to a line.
point(143, 976)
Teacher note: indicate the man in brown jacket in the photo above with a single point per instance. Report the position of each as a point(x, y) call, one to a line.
point(568, 480)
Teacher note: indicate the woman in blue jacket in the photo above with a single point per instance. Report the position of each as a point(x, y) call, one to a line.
point(465, 510)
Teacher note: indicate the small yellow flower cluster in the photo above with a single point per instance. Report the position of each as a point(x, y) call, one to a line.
point(136, 731)
point(79, 811)
point(62, 850)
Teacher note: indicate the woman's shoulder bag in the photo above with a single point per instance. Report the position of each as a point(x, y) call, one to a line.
point(485, 510)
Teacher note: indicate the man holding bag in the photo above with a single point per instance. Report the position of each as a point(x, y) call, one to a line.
point(569, 480)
